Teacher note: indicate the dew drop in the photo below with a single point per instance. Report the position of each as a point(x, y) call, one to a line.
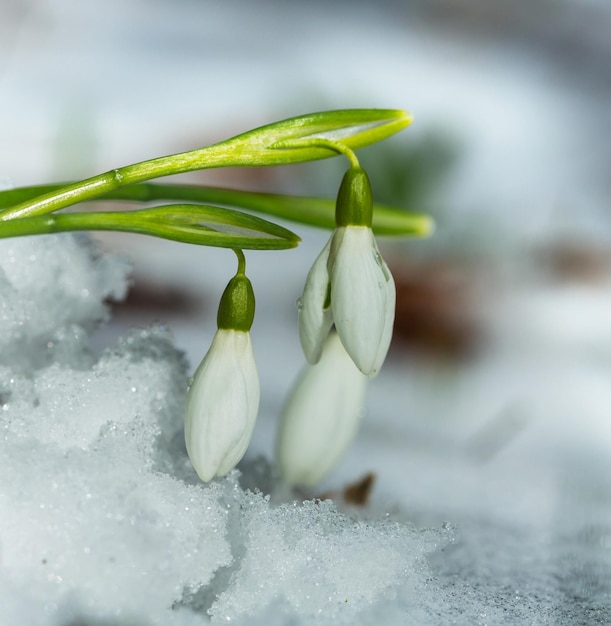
point(299, 303)
point(380, 261)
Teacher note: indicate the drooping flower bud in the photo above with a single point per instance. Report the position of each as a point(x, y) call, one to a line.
point(321, 416)
point(350, 285)
point(223, 399)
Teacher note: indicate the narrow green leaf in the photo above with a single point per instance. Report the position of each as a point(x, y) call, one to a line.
point(9, 197)
point(312, 211)
point(288, 141)
point(188, 223)
point(279, 143)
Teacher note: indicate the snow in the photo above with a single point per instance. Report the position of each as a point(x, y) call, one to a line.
point(102, 519)
point(101, 514)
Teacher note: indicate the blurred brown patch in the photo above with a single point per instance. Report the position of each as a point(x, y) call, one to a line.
point(576, 262)
point(158, 299)
point(437, 309)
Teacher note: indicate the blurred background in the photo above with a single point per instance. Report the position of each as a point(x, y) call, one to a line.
point(502, 351)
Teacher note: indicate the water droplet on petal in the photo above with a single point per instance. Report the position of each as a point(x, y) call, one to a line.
point(299, 304)
point(380, 261)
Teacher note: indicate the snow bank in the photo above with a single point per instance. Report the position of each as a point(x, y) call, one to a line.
point(103, 522)
point(101, 515)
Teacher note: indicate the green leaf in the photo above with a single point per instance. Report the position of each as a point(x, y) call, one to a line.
point(11, 197)
point(187, 223)
point(288, 141)
point(312, 211)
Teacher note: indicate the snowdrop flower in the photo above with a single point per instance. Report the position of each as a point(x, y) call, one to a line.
point(223, 400)
point(321, 416)
point(350, 285)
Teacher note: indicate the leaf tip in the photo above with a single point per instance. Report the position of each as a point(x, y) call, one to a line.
point(399, 119)
point(428, 226)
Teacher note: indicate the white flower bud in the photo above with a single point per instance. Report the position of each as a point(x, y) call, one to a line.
point(362, 299)
point(321, 416)
point(222, 404)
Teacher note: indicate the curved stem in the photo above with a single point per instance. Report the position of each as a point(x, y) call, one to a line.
point(322, 142)
point(241, 261)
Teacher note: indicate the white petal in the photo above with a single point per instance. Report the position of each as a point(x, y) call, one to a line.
point(389, 318)
point(314, 320)
point(321, 416)
point(362, 297)
point(222, 405)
